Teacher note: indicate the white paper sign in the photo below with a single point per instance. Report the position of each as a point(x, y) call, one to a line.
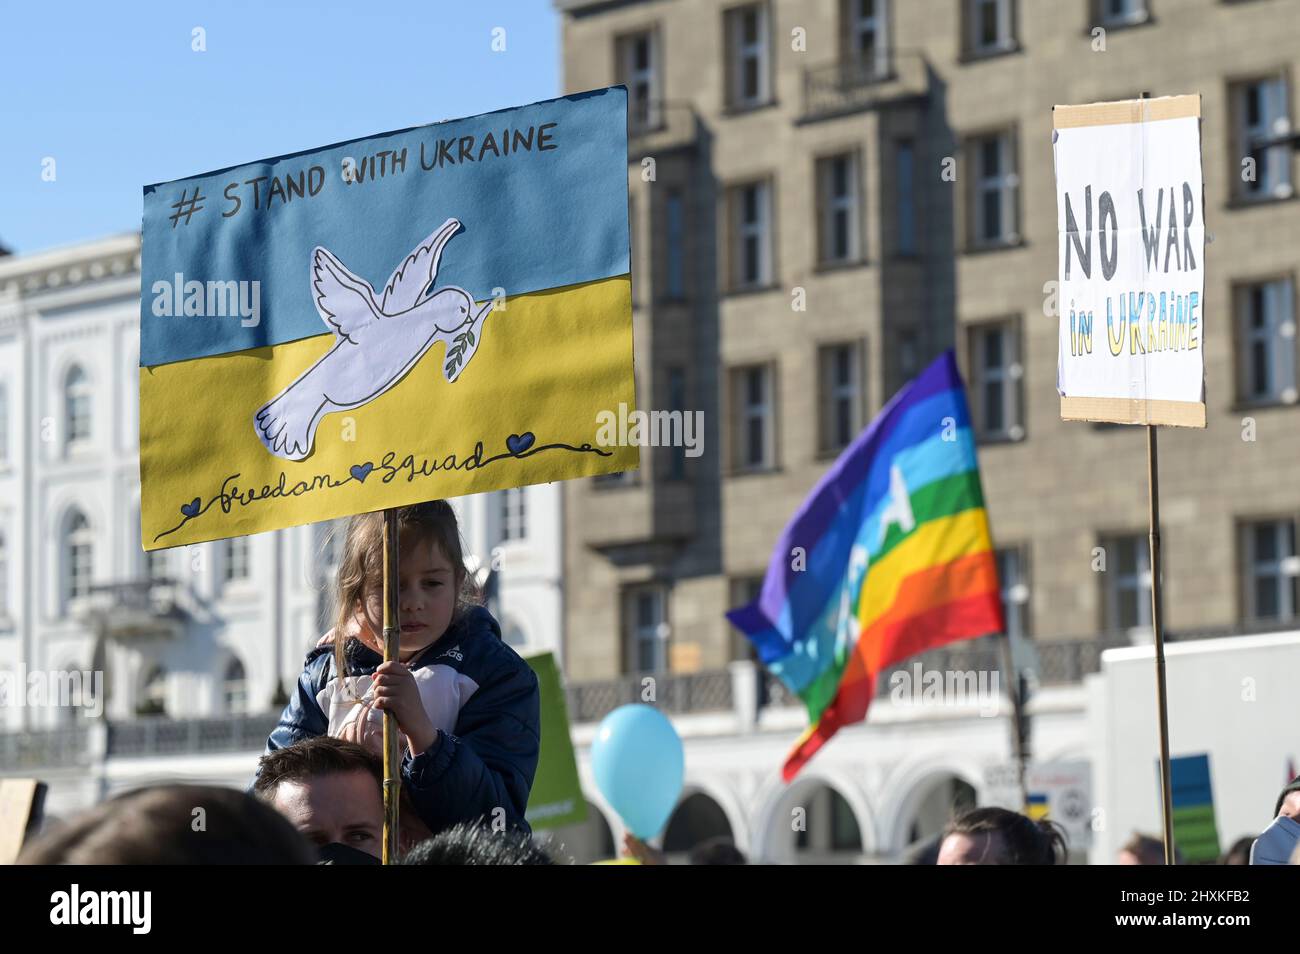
point(1131, 246)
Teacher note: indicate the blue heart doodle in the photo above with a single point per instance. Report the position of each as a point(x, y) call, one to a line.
point(518, 443)
point(191, 509)
point(360, 472)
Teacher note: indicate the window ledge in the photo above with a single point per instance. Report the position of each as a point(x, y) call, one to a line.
point(735, 473)
point(1238, 202)
point(751, 290)
point(991, 440)
point(1242, 405)
point(984, 248)
point(735, 110)
point(1144, 19)
point(969, 55)
point(241, 590)
point(824, 268)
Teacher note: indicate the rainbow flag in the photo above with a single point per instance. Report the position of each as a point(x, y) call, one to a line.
point(889, 556)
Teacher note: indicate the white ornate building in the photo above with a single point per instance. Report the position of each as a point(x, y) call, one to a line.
point(214, 629)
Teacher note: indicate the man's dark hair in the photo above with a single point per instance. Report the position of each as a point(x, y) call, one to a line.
point(476, 844)
point(157, 826)
point(1014, 839)
point(1292, 786)
point(1239, 853)
point(1149, 849)
point(320, 755)
point(717, 851)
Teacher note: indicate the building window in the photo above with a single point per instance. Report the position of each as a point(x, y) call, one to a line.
point(76, 405)
point(1263, 115)
point(866, 32)
point(514, 513)
point(1272, 570)
point(995, 381)
point(754, 418)
point(751, 235)
point(1128, 583)
point(235, 559)
point(749, 81)
point(153, 693)
point(674, 245)
point(995, 191)
point(638, 70)
point(990, 26)
point(1266, 336)
point(1013, 577)
point(840, 385)
point(4, 425)
point(677, 402)
point(79, 553)
point(4, 576)
point(1121, 12)
point(234, 688)
point(839, 233)
point(905, 197)
point(646, 622)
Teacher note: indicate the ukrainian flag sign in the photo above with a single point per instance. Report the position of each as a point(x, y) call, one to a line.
point(433, 312)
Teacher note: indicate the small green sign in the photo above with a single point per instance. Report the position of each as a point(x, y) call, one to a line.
point(556, 798)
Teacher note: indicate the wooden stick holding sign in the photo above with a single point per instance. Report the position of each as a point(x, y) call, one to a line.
point(1141, 292)
point(392, 737)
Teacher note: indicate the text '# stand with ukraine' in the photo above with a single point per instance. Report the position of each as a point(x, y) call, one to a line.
point(1131, 223)
point(889, 556)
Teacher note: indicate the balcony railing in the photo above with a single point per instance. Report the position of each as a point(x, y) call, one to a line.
point(42, 749)
point(851, 85)
point(676, 693)
point(159, 735)
point(134, 608)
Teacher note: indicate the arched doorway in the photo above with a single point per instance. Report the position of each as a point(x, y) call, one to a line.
point(815, 823)
point(583, 843)
point(932, 805)
point(696, 820)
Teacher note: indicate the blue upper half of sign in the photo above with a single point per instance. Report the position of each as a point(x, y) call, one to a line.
point(540, 192)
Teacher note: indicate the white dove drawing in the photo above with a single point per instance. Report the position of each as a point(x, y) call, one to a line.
point(377, 341)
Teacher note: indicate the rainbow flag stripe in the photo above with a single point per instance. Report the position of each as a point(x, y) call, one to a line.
point(889, 556)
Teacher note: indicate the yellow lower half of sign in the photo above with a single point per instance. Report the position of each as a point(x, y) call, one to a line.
point(522, 409)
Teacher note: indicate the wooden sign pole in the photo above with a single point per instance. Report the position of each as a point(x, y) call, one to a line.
point(392, 738)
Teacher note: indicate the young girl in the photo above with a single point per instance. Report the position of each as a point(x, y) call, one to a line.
point(466, 705)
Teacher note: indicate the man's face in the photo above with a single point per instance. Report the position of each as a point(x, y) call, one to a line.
point(970, 850)
point(1291, 806)
point(346, 808)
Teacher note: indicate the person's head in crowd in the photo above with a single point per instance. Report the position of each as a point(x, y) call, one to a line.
point(174, 825)
point(1145, 850)
point(1238, 854)
point(1288, 803)
point(333, 792)
point(996, 836)
point(477, 844)
point(717, 851)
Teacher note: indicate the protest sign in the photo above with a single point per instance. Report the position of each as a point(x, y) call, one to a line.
point(433, 312)
point(556, 796)
point(1130, 213)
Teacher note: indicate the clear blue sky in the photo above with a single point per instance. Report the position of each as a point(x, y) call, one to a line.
point(115, 94)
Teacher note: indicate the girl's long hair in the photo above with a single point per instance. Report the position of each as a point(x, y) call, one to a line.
point(361, 568)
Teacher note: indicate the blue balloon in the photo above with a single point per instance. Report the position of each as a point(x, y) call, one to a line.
point(638, 764)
